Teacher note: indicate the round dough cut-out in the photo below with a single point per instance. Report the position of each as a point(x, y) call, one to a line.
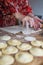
point(10, 50)
point(6, 60)
point(36, 52)
point(23, 57)
point(3, 44)
point(5, 37)
point(36, 43)
point(24, 47)
point(30, 38)
point(14, 42)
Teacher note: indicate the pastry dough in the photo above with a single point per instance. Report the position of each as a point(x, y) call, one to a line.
point(30, 38)
point(5, 37)
point(36, 43)
point(36, 52)
point(6, 60)
point(14, 42)
point(3, 44)
point(20, 36)
point(0, 53)
point(10, 50)
point(23, 57)
point(42, 44)
point(24, 47)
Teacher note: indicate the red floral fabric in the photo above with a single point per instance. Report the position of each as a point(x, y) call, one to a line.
point(10, 7)
point(19, 5)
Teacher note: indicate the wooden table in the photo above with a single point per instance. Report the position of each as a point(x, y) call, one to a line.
point(37, 60)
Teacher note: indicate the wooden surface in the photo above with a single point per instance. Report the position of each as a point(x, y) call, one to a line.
point(37, 60)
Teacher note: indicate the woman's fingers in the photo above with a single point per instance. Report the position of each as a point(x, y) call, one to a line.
point(40, 20)
point(32, 22)
point(23, 22)
point(36, 24)
point(29, 20)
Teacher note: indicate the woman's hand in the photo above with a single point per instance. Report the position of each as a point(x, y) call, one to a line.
point(38, 21)
point(32, 22)
point(28, 19)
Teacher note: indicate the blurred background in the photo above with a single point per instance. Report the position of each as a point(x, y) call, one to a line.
point(37, 6)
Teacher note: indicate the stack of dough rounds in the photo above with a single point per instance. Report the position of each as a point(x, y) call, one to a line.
point(14, 42)
point(0, 53)
point(10, 50)
point(24, 47)
point(6, 60)
point(23, 57)
point(3, 44)
point(5, 37)
point(36, 52)
point(36, 43)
